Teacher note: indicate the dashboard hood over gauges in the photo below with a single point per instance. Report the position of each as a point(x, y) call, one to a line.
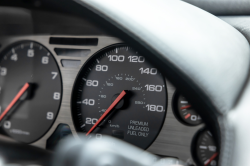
point(207, 59)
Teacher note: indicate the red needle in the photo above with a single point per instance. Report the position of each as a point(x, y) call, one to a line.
point(107, 111)
point(19, 94)
point(185, 107)
point(211, 159)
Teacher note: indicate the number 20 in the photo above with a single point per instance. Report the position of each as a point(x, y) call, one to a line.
point(91, 120)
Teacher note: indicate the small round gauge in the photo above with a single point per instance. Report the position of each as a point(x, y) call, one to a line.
point(30, 91)
point(184, 112)
point(204, 148)
point(119, 93)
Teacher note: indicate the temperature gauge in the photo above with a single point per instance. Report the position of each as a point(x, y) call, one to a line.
point(184, 111)
point(204, 149)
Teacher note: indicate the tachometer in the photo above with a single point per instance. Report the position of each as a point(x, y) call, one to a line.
point(30, 91)
point(119, 93)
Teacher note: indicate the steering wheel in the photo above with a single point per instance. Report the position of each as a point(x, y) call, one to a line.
point(204, 57)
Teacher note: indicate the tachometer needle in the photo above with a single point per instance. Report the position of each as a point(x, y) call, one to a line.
point(211, 159)
point(185, 107)
point(122, 94)
point(19, 94)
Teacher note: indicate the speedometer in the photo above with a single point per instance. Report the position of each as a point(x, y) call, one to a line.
point(119, 93)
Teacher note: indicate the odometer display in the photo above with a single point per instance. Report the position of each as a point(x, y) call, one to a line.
point(139, 116)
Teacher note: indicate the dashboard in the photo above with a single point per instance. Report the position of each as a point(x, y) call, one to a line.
point(74, 51)
point(173, 135)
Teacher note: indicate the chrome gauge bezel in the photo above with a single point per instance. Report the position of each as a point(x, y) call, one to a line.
point(86, 68)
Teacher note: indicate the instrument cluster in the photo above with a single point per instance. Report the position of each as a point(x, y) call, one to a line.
point(52, 86)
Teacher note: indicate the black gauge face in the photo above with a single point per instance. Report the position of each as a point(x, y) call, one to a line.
point(139, 115)
point(30, 91)
point(205, 151)
point(184, 111)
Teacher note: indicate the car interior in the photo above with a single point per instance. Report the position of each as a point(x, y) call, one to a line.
point(124, 83)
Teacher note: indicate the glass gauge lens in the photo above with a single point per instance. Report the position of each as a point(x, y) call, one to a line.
point(119, 74)
point(205, 151)
point(184, 112)
point(30, 91)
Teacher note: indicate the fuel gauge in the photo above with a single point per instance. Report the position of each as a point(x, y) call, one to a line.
point(184, 111)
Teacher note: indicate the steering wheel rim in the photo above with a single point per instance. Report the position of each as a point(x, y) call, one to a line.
point(208, 91)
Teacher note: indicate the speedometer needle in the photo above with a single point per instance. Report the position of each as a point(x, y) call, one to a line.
point(19, 94)
point(122, 94)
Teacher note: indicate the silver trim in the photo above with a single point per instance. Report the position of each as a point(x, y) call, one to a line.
point(174, 138)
